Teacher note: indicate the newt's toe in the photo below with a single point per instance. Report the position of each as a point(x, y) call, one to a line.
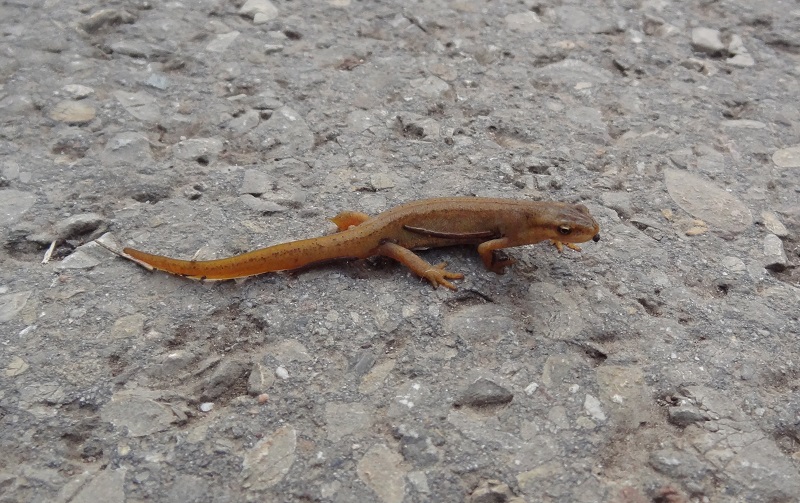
point(560, 245)
point(438, 275)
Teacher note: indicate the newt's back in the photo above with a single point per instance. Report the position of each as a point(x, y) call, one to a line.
point(467, 220)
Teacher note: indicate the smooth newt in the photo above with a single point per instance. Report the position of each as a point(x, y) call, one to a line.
point(493, 224)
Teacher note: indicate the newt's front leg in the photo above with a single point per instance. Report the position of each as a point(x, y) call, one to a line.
point(494, 259)
point(436, 274)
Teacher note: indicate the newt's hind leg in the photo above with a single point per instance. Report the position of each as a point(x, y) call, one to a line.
point(436, 274)
point(347, 219)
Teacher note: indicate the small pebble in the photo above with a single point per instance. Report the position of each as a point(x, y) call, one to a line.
point(734, 264)
point(736, 45)
point(774, 255)
point(684, 415)
point(282, 373)
point(484, 392)
point(696, 230)
point(741, 60)
point(264, 10)
point(787, 157)
point(773, 224)
point(707, 40)
point(77, 225)
point(77, 91)
point(592, 407)
point(16, 367)
point(272, 48)
point(73, 112)
point(206, 406)
point(158, 81)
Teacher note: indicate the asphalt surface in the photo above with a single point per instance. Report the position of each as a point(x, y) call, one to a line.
point(658, 364)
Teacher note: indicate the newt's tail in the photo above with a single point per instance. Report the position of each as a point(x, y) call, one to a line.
point(188, 268)
point(282, 257)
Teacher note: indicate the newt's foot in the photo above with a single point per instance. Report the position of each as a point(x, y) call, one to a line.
point(500, 260)
point(437, 275)
point(347, 219)
point(560, 246)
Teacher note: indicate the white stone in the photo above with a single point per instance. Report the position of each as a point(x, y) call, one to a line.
point(260, 10)
point(787, 157)
point(592, 407)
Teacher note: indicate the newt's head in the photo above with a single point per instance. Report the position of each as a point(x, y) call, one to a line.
point(567, 224)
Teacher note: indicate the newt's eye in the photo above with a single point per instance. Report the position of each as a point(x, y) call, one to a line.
point(564, 229)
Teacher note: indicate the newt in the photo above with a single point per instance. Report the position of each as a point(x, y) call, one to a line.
point(492, 224)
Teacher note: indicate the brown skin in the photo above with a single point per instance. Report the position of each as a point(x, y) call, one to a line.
point(493, 224)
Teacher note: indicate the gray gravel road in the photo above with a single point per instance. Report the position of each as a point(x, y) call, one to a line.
point(660, 364)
